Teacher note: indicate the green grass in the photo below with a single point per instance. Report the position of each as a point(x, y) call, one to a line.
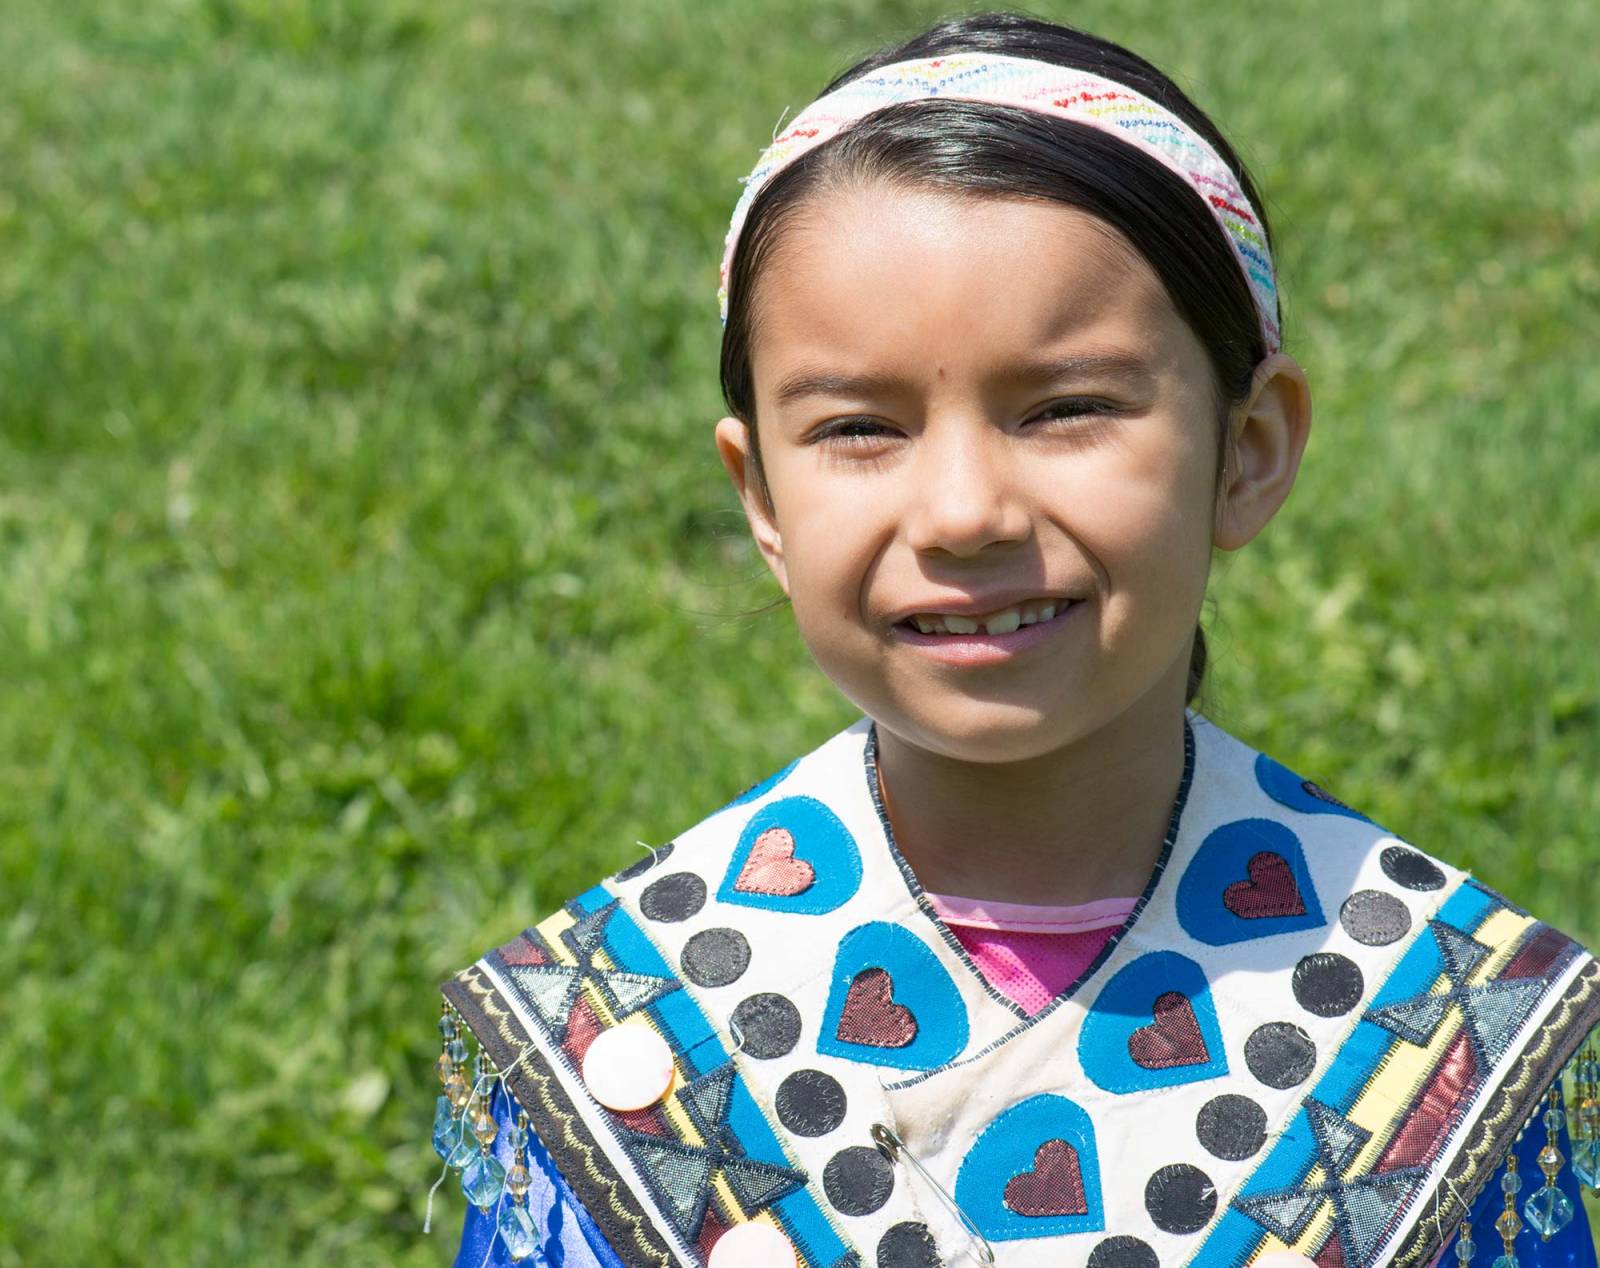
point(368, 583)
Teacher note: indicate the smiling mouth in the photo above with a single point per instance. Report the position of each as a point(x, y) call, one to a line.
point(1005, 621)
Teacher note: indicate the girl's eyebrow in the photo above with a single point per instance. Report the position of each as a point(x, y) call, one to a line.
point(1120, 366)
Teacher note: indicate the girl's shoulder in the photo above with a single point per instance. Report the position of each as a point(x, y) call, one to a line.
point(1298, 990)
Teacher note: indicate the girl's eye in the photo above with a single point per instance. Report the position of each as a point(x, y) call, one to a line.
point(1076, 407)
point(852, 431)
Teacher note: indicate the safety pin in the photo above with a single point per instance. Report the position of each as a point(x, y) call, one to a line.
point(896, 1148)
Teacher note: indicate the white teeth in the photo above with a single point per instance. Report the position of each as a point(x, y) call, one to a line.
point(1006, 622)
point(1003, 622)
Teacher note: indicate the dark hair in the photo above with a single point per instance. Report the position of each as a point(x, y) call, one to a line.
point(976, 148)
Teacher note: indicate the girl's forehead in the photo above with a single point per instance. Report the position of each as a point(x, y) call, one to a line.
point(874, 272)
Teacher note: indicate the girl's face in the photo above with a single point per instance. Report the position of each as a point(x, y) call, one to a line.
point(970, 406)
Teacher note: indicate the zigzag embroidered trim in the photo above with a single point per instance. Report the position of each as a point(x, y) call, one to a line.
point(1498, 1213)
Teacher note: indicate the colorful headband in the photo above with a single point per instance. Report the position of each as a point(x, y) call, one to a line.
point(1078, 95)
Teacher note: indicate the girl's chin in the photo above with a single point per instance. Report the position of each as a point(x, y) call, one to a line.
point(980, 731)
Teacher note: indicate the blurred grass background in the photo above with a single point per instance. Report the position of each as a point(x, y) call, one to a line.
point(368, 582)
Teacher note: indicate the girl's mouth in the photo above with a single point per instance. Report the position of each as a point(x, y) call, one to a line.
point(1000, 636)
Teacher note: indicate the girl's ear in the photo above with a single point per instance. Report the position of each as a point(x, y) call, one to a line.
point(733, 446)
point(1266, 437)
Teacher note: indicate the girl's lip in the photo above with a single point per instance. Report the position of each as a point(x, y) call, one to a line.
point(981, 648)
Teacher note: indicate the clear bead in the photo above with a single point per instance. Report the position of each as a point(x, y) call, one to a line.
point(455, 1087)
point(1550, 1161)
point(1553, 1119)
point(518, 1181)
point(1506, 1261)
point(483, 1125)
point(1511, 1182)
point(444, 1067)
point(463, 1151)
point(1508, 1225)
point(1464, 1247)
point(1549, 1210)
point(457, 1050)
point(1586, 1162)
point(482, 1181)
point(447, 1026)
point(520, 1233)
point(446, 1127)
point(518, 1137)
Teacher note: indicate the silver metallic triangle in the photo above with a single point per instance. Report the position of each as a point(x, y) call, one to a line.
point(1415, 1019)
point(1284, 1214)
point(1461, 952)
point(1368, 1205)
point(1496, 1010)
point(550, 988)
point(682, 1176)
point(1338, 1139)
point(632, 991)
point(707, 1098)
point(758, 1185)
point(586, 933)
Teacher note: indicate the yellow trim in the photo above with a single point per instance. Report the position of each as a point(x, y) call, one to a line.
point(1382, 1105)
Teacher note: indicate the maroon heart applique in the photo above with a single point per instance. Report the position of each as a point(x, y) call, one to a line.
point(1172, 1039)
point(1270, 891)
point(1053, 1187)
point(772, 868)
point(871, 1017)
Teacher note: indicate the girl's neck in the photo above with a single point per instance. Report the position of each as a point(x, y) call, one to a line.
point(1081, 823)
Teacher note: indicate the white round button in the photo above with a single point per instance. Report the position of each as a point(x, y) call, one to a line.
point(753, 1245)
point(627, 1067)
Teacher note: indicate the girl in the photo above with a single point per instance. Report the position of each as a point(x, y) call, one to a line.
point(1032, 964)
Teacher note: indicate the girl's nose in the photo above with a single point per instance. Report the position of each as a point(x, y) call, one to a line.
point(964, 493)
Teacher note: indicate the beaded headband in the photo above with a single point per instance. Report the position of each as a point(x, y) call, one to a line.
point(1078, 95)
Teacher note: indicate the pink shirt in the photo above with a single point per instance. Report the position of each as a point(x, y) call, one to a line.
point(1031, 954)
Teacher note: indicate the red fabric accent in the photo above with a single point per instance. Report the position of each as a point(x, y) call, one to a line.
point(1172, 1039)
point(712, 1229)
point(1332, 1253)
point(1537, 954)
point(1053, 1187)
point(648, 1120)
point(772, 868)
point(870, 1015)
point(522, 951)
point(1436, 1109)
point(582, 1027)
point(1270, 891)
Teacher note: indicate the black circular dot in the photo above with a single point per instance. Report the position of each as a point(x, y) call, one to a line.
point(1328, 984)
point(858, 1180)
point(1410, 869)
point(908, 1245)
point(810, 1103)
point(715, 957)
point(1123, 1251)
point(674, 897)
point(640, 866)
point(1232, 1127)
point(1313, 789)
point(1374, 918)
point(768, 1024)
point(1280, 1054)
point(1180, 1198)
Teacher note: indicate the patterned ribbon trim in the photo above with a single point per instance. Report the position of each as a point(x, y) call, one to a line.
point(1078, 95)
